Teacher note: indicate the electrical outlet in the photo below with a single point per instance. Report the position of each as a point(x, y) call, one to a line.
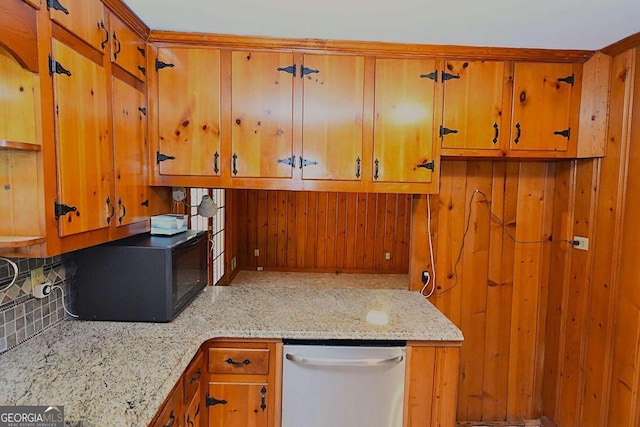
point(387, 255)
point(37, 277)
point(256, 252)
point(583, 243)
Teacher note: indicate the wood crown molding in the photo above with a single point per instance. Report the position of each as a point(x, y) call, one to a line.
point(369, 48)
point(622, 45)
point(128, 16)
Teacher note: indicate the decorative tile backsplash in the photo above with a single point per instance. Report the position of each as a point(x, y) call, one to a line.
point(23, 316)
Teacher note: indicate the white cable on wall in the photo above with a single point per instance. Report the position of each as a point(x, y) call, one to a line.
point(432, 278)
point(64, 305)
point(15, 271)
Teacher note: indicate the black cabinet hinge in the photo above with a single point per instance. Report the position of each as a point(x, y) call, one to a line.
point(143, 110)
point(427, 165)
point(212, 401)
point(291, 69)
point(142, 51)
point(55, 4)
point(304, 71)
point(160, 65)
point(433, 76)
point(291, 161)
point(448, 76)
point(61, 209)
point(145, 203)
point(143, 70)
point(162, 157)
point(566, 133)
point(57, 68)
point(305, 162)
point(569, 79)
point(446, 131)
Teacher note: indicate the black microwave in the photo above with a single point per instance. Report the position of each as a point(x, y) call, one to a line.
point(143, 278)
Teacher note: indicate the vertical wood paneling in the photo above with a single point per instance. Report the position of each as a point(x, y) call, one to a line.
point(307, 231)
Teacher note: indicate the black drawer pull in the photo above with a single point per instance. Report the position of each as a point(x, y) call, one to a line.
point(172, 420)
point(197, 376)
point(245, 362)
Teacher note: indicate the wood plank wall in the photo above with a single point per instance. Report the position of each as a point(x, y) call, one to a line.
point(320, 231)
point(496, 292)
point(592, 366)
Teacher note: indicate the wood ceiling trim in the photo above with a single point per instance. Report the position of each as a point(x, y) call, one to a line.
point(370, 48)
point(128, 16)
point(623, 45)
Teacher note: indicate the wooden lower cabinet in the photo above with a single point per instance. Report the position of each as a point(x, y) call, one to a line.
point(238, 383)
point(238, 404)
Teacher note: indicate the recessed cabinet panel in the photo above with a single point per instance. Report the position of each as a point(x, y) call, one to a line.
point(238, 404)
point(130, 148)
point(472, 106)
point(403, 126)
point(84, 18)
point(19, 94)
point(83, 142)
point(541, 106)
point(127, 48)
point(333, 106)
point(262, 114)
point(189, 111)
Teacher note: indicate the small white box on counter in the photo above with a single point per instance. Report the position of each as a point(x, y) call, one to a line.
point(168, 224)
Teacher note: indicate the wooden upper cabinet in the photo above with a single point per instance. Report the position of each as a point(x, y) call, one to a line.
point(403, 122)
point(262, 114)
point(83, 18)
point(130, 152)
point(473, 105)
point(128, 50)
point(188, 111)
point(542, 95)
point(83, 142)
point(332, 123)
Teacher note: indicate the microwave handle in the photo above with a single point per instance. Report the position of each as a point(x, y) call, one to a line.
point(192, 243)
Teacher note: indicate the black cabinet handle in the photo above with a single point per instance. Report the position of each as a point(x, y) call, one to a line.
point(235, 158)
point(358, 167)
point(118, 46)
point(518, 134)
point(263, 399)
point(196, 377)
point(377, 166)
point(495, 138)
point(245, 362)
point(172, 420)
point(124, 210)
point(106, 34)
point(216, 156)
point(113, 210)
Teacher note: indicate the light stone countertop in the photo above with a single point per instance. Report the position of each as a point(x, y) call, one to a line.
point(118, 373)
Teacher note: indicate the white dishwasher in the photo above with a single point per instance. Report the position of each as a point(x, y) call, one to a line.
point(343, 383)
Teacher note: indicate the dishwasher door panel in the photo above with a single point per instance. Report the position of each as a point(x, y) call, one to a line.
point(342, 386)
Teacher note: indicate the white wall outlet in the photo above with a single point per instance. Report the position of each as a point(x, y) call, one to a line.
point(37, 277)
point(256, 252)
point(42, 290)
point(387, 255)
point(234, 262)
point(582, 243)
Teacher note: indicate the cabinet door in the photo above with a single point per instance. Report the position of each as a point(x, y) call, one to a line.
point(472, 106)
point(83, 18)
point(19, 94)
point(333, 103)
point(245, 405)
point(262, 114)
point(130, 151)
point(128, 50)
point(403, 126)
point(192, 413)
point(541, 106)
point(83, 142)
point(189, 110)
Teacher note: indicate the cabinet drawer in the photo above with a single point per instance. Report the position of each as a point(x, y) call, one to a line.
point(192, 377)
point(171, 413)
point(239, 361)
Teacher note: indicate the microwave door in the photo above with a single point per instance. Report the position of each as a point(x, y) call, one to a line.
point(189, 270)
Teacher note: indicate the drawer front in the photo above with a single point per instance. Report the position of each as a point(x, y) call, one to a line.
point(192, 377)
point(171, 413)
point(239, 361)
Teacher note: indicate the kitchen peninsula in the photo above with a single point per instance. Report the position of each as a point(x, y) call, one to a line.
point(109, 373)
